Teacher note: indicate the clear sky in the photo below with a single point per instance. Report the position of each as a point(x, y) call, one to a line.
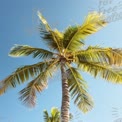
point(19, 25)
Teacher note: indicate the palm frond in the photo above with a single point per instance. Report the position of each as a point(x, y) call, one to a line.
point(25, 50)
point(54, 37)
point(28, 94)
point(73, 36)
point(70, 41)
point(55, 115)
point(46, 116)
point(21, 75)
point(46, 32)
point(103, 55)
point(78, 90)
point(54, 111)
point(102, 70)
point(44, 21)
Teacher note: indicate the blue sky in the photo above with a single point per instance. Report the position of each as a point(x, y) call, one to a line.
point(19, 25)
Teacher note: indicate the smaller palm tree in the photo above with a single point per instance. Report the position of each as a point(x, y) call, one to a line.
point(55, 115)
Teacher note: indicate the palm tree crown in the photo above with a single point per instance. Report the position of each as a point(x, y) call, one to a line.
point(55, 115)
point(66, 52)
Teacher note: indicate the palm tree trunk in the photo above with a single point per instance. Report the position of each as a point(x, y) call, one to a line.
point(65, 95)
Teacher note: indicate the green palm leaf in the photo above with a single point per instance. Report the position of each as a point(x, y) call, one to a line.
point(71, 42)
point(103, 70)
point(53, 37)
point(44, 21)
point(55, 115)
point(78, 90)
point(103, 55)
point(49, 37)
point(21, 75)
point(73, 36)
point(46, 116)
point(25, 50)
point(28, 94)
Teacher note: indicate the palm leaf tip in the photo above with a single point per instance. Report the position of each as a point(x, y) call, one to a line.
point(2, 88)
point(28, 94)
point(25, 50)
point(85, 103)
point(20, 50)
point(14, 49)
point(97, 17)
point(41, 18)
point(8, 82)
point(93, 23)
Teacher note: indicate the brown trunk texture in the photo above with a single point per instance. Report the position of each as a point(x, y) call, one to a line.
point(65, 95)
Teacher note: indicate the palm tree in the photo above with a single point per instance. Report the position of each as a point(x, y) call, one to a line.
point(66, 52)
point(55, 115)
